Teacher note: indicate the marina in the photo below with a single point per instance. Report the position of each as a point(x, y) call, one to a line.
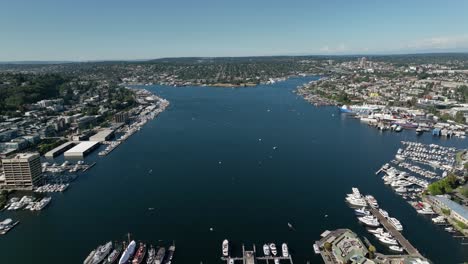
point(184, 145)
point(130, 251)
point(250, 256)
point(375, 217)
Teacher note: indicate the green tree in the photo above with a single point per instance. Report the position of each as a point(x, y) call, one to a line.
point(327, 246)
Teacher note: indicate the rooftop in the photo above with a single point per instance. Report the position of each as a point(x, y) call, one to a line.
point(83, 146)
point(459, 209)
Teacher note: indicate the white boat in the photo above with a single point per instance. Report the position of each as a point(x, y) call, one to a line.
point(128, 253)
point(388, 241)
point(273, 249)
point(383, 212)
point(266, 250)
point(396, 248)
point(89, 257)
point(401, 190)
point(361, 211)
point(101, 253)
point(356, 201)
point(376, 231)
point(395, 223)
point(425, 210)
point(285, 250)
point(316, 249)
point(277, 261)
point(369, 220)
point(372, 201)
point(225, 248)
point(231, 261)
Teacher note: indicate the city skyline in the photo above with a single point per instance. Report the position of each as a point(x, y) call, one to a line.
point(86, 31)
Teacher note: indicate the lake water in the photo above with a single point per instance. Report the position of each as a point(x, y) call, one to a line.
point(211, 170)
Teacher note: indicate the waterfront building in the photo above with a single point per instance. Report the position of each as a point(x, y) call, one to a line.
point(23, 171)
point(457, 211)
point(81, 149)
point(102, 135)
point(121, 117)
point(343, 246)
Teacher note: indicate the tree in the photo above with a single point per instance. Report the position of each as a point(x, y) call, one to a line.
point(327, 246)
point(372, 251)
point(460, 117)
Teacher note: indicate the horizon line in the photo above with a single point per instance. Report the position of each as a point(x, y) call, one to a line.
point(244, 56)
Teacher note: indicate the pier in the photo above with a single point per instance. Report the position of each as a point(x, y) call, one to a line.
point(396, 234)
point(250, 257)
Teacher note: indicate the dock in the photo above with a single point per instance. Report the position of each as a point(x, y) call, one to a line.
point(250, 257)
point(396, 234)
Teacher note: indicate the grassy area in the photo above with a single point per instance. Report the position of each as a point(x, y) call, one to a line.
point(445, 211)
point(443, 186)
point(49, 144)
point(458, 156)
point(3, 199)
point(460, 224)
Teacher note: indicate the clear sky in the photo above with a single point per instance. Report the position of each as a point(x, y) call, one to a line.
point(136, 29)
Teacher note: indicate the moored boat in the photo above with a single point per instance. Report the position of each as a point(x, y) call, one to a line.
point(89, 257)
point(101, 253)
point(128, 253)
point(266, 250)
point(396, 248)
point(284, 249)
point(160, 255)
point(225, 248)
point(273, 249)
point(114, 255)
point(140, 254)
point(170, 254)
point(151, 255)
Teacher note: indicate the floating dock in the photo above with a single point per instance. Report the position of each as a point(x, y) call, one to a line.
point(250, 257)
point(396, 234)
point(60, 149)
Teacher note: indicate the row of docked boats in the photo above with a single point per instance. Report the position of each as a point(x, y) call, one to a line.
point(6, 225)
point(110, 253)
point(386, 238)
point(270, 250)
point(365, 217)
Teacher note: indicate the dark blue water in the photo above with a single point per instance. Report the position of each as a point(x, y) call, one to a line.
point(209, 169)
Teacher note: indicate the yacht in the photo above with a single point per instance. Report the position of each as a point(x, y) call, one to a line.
point(383, 212)
point(425, 210)
point(128, 253)
point(387, 240)
point(362, 211)
point(266, 250)
point(376, 231)
point(316, 248)
point(396, 248)
point(101, 253)
point(401, 189)
point(372, 201)
point(369, 220)
point(356, 201)
point(160, 255)
point(356, 191)
point(225, 247)
point(285, 250)
point(395, 223)
point(273, 249)
point(438, 220)
point(89, 257)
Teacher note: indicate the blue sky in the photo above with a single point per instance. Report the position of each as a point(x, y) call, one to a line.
point(135, 29)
